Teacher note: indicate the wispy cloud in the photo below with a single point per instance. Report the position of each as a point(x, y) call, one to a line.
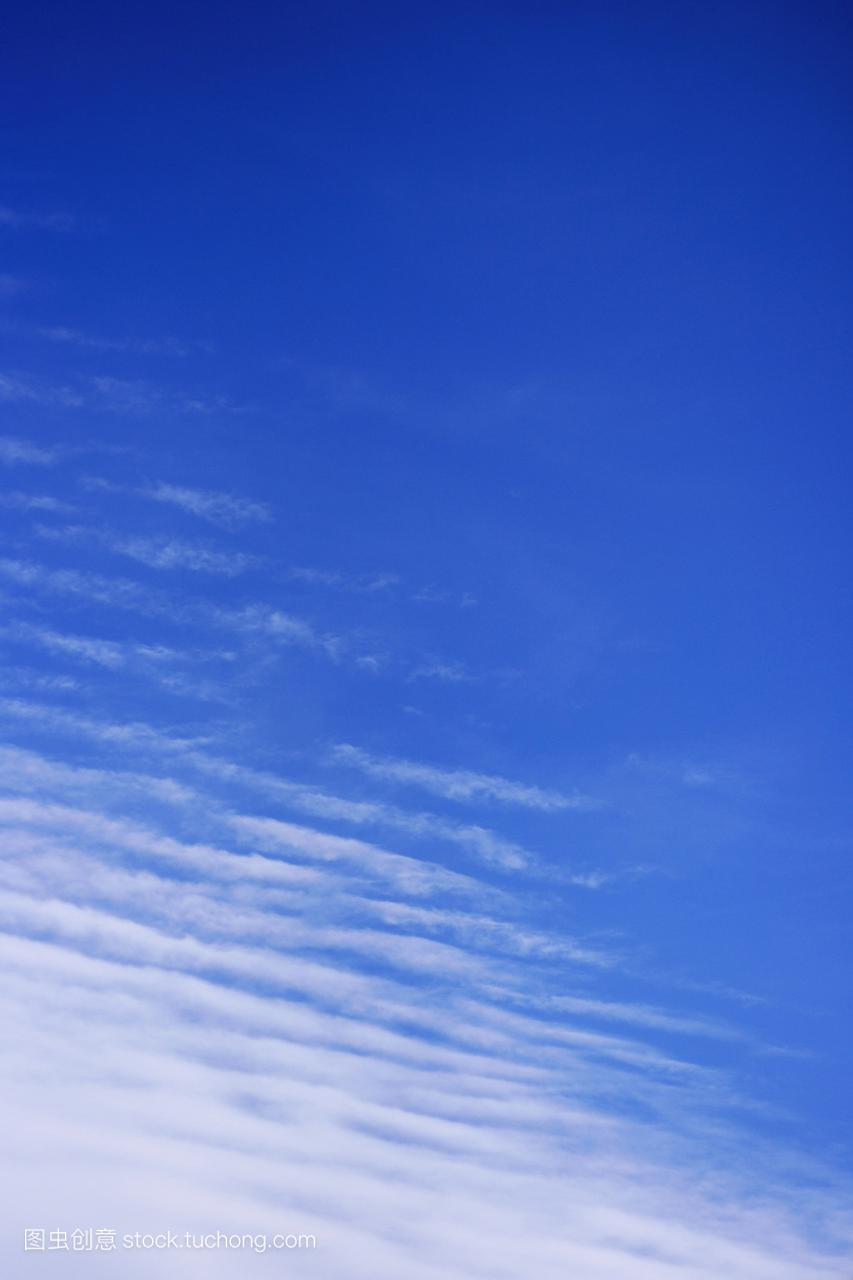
point(16, 387)
point(380, 1053)
point(227, 510)
point(14, 451)
point(171, 669)
point(436, 595)
point(224, 509)
point(35, 502)
point(104, 653)
point(29, 773)
point(282, 628)
point(113, 395)
point(172, 553)
point(479, 842)
point(252, 622)
point(457, 784)
point(119, 593)
point(446, 671)
point(135, 346)
point(20, 678)
point(27, 220)
point(130, 734)
point(377, 583)
point(695, 774)
point(647, 1016)
point(413, 874)
point(155, 553)
point(123, 395)
point(365, 583)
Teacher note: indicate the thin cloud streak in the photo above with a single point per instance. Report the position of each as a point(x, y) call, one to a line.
point(224, 509)
point(155, 553)
point(35, 502)
point(479, 842)
point(457, 784)
point(104, 393)
point(66, 336)
point(14, 451)
point(252, 621)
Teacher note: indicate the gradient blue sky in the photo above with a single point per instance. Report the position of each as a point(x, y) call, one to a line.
point(430, 427)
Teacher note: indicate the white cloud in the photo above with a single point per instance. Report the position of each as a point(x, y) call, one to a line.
point(224, 509)
point(278, 626)
point(483, 844)
point(457, 784)
point(104, 653)
point(362, 584)
point(135, 396)
point(73, 722)
point(14, 388)
point(173, 553)
point(437, 595)
point(112, 395)
point(12, 677)
point(477, 841)
point(251, 622)
point(447, 671)
point(29, 772)
point(410, 875)
point(164, 666)
point(14, 451)
point(120, 593)
point(34, 502)
point(155, 553)
point(192, 1052)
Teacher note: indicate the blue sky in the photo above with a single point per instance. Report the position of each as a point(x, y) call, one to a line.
point(426, 615)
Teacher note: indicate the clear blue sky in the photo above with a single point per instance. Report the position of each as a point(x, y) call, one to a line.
point(432, 423)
